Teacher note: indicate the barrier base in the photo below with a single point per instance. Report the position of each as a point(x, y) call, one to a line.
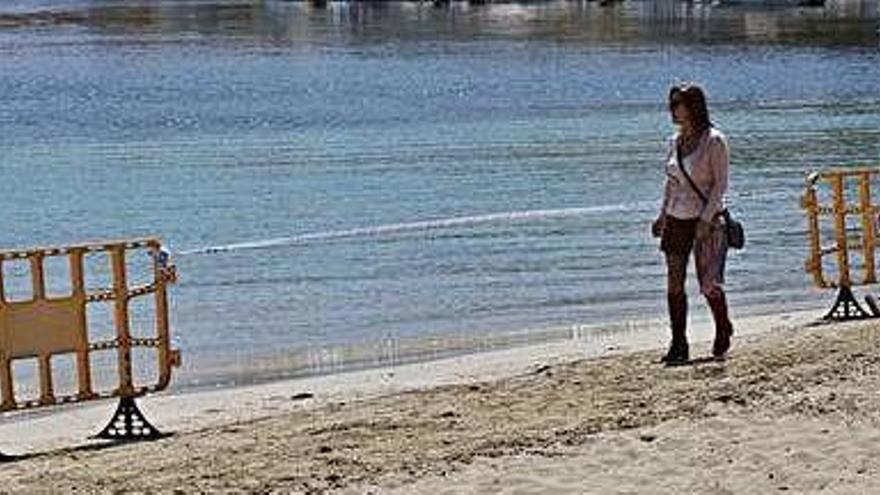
point(846, 307)
point(6, 458)
point(872, 305)
point(128, 423)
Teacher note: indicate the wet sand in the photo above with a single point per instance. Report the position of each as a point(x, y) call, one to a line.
point(794, 409)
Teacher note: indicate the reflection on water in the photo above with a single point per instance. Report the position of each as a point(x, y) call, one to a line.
point(852, 22)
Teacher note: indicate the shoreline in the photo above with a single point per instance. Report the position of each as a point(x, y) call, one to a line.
point(331, 359)
point(194, 408)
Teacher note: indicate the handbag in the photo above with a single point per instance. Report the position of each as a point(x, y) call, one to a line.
point(734, 231)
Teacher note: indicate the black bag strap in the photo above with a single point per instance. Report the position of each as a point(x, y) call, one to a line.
point(694, 185)
point(688, 176)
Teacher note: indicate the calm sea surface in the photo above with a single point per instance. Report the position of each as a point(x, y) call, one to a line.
point(358, 182)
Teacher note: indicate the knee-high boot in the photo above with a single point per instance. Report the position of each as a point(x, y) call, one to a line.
point(678, 308)
point(723, 327)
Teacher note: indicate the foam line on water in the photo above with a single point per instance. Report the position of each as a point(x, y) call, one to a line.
point(442, 223)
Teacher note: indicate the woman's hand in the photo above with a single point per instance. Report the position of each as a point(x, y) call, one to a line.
point(658, 225)
point(704, 229)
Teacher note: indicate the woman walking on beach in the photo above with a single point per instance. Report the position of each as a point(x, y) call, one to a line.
point(691, 218)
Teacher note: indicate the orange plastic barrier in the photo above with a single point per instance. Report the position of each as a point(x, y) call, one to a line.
point(43, 326)
point(849, 238)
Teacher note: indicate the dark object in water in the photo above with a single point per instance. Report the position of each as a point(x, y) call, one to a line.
point(776, 3)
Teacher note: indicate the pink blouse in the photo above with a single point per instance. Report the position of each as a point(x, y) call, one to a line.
point(709, 168)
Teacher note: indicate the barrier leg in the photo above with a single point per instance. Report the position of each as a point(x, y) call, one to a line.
point(846, 307)
point(129, 423)
point(872, 305)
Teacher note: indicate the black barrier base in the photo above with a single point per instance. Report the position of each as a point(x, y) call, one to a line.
point(128, 423)
point(872, 305)
point(6, 458)
point(846, 307)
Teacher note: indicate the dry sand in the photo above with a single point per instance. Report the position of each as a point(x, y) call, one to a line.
point(795, 409)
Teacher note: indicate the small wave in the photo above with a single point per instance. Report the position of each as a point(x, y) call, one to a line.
point(424, 225)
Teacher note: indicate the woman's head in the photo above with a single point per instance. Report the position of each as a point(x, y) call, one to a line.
point(687, 104)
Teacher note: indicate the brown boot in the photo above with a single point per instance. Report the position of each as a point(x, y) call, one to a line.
point(723, 327)
point(678, 350)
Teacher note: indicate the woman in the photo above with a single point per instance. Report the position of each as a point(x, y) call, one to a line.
point(691, 218)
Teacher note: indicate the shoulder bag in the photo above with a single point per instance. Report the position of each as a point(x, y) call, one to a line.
point(736, 236)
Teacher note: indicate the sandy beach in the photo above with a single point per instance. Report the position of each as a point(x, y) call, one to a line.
point(414, 248)
point(794, 409)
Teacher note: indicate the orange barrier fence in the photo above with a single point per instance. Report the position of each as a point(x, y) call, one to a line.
point(843, 198)
point(41, 326)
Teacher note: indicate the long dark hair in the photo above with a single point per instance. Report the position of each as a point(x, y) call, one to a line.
point(694, 99)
